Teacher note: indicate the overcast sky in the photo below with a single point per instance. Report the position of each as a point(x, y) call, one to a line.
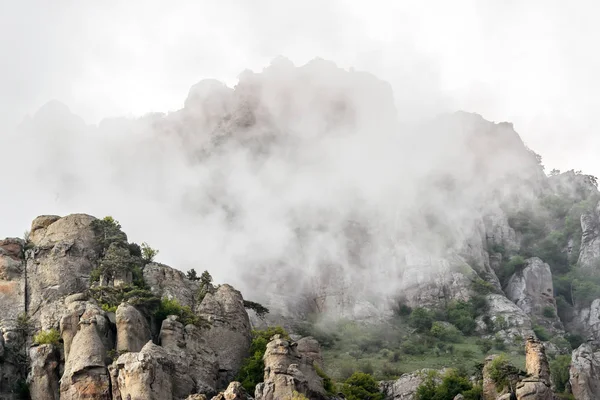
point(534, 63)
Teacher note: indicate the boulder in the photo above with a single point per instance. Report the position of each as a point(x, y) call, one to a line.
point(43, 375)
point(229, 334)
point(405, 387)
point(309, 348)
point(133, 330)
point(286, 372)
point(585, 373)
point(145, 375)
point(235, 391)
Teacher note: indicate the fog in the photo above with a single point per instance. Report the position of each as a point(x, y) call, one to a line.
point(303, 177)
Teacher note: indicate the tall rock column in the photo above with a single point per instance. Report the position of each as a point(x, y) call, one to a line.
point(537, 385)
point(585, 373)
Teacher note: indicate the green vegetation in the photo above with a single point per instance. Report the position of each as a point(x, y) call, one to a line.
point(206, 285)
point(548, 312)
point(296, 396)
point(192, 275)
point(51, 336)
point(503, 373)
point(23, 323)
point(451, 384)
point(184, 313)
point(259, 309)
point(252, 370)
point(148, 253)
point(541, 333)
point(328, 384)
point(110, 297)
point(559, 369)
point(361, 386)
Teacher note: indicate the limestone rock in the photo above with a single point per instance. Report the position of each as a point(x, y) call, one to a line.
point(133, 330)
point(12, 281)
point(146, 375)
point(196, 396)
point(168, 282)
point(517, 323)
point(287, 371)
point(39, 226)
point(589, 253)
point(532, 291)
point(66, 252)
point(85, 373)
point(537, 385)
point(587, 320)
point(234, 391)
point(585, 373)
point(405, 387)
point(229, 334)
point(195, 367)
point(309, 348)
point(44, 376)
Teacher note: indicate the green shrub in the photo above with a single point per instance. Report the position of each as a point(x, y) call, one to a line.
point(502, 372)
point(421, 319)
point(559, 369)
point(575, 340)
point(51, 336)
point(296, 396)
point(108, 308)
point(485, 345)
point(148, 253)
point(172, 307)
point(548, 312)
point(108, 231)
point(483, 287)
point(452, 383)
point(446, 332)
point(252, 370)
point(361, 386)
point(327, 382)
point(541, 333)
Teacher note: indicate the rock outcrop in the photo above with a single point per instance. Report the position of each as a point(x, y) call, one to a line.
point(491, 391)
point(234, 391)
point(585, 373)
point(144, 375)
point(44, 373)
point(133, 330)
point(589, 254)
point(405, 387)
point(532, 291)
point(537, 384)
point(516, 322)
point(286, 371)
point(229, 332)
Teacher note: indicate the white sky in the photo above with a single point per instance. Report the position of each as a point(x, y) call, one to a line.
point(533, 63)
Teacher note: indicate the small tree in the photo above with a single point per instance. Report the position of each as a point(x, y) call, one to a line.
point(192, 275)
point(205, 285)
point(148, 253)
point(258, 308)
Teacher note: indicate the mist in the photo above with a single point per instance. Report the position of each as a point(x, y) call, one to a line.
point(305, 177)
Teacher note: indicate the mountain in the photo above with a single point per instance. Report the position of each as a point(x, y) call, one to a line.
point(378, 246)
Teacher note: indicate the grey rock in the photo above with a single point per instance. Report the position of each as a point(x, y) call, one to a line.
point(133, 330)
point(589, 253)
point(146, 375)
point(234, 391)
point(167, 282)
point(405, 387)
point(517, 323)
point(229, 334)
point(585, 373)
point(44, 376)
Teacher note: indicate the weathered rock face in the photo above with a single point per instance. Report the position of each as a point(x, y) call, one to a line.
point(532, 291)
point(287, 371)
point(85, 374)
point(405, 387)
point(589, 254)
point(229, 334)
point(146, 375)
point(66, 252)
point(133, 330)
point(195, 366)
point(585, 373)
point(12, 281)
point(168, 282)
point(537, 385)
point(587, 320)
point(44, 375)
point(517, 323)
point(234, 391)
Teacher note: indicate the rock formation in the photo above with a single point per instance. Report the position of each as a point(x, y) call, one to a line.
point(590, 241)
point(133, 330)
point(287, 371)
point(537, 384)
point(585, 373)
point(405, 387)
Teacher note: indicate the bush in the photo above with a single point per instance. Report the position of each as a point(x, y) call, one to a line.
point(548, 312)
point(575, 340)
point(541, 333)
point(502, 372)
point(559, 369)
point(452, 384)
point(253, 368)
point(485, 345)
point(108, 231)
point(483, 287)
point(445, 331)
point(361, 386)
point(51, 336)
point(172, 307)
point(421, 319)
point(296, 396)
point(327, 382)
